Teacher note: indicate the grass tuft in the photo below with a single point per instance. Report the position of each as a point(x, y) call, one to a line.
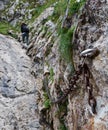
point(65, 45)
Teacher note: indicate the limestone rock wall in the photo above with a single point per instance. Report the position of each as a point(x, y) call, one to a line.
point(16, 11)
point(44, 52)
point(92, 32)
point(74, 113)
point(52, 74)
point(3, 3)
point(18, 107)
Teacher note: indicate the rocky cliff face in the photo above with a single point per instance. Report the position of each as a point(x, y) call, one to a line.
point(17, 92)
point(74, 113)
point(14, 11)
point(3, 3)
point(92, 32)
point(59, 107)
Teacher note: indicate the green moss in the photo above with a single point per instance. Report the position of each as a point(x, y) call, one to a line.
point(45, 28)
point(75, 6)
point(61, 113)
point(60, 8)
point(47, 102)
point(51, 74)
point(5, 27)
point(65, 44)
point(66, 35)
point(40, 8)
point(62, 127)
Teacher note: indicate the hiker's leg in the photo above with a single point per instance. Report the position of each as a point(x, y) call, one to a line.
point(23, 37)
point(27, 38)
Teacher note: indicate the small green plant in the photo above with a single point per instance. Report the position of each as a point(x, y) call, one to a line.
point(60, 8)
point(65, 45)
point(62, 127)
point(47, 102)
point(51, 74)
point(61, 112)
point(75, 6)
point(66, 35)
point(5, 27)
point(40, 8)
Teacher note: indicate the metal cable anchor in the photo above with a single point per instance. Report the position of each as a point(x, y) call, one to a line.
point(92, 52)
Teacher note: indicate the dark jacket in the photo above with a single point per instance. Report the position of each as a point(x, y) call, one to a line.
point(24, 28)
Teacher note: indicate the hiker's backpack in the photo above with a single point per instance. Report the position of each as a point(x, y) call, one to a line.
point(25, 28)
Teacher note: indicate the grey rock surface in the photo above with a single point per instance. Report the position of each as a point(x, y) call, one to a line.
point(3, 3)
point(17, 88)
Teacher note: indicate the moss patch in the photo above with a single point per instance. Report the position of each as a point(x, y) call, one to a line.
point(5, 27)
point(47, 102)
point(61, 114)
point(65, 44)
point(51, 75)
point(40, 8)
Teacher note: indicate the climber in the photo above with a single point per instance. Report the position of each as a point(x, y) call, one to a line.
point(25, 33)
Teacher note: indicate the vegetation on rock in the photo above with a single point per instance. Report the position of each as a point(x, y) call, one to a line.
point(5, 27)
point(47, 102)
